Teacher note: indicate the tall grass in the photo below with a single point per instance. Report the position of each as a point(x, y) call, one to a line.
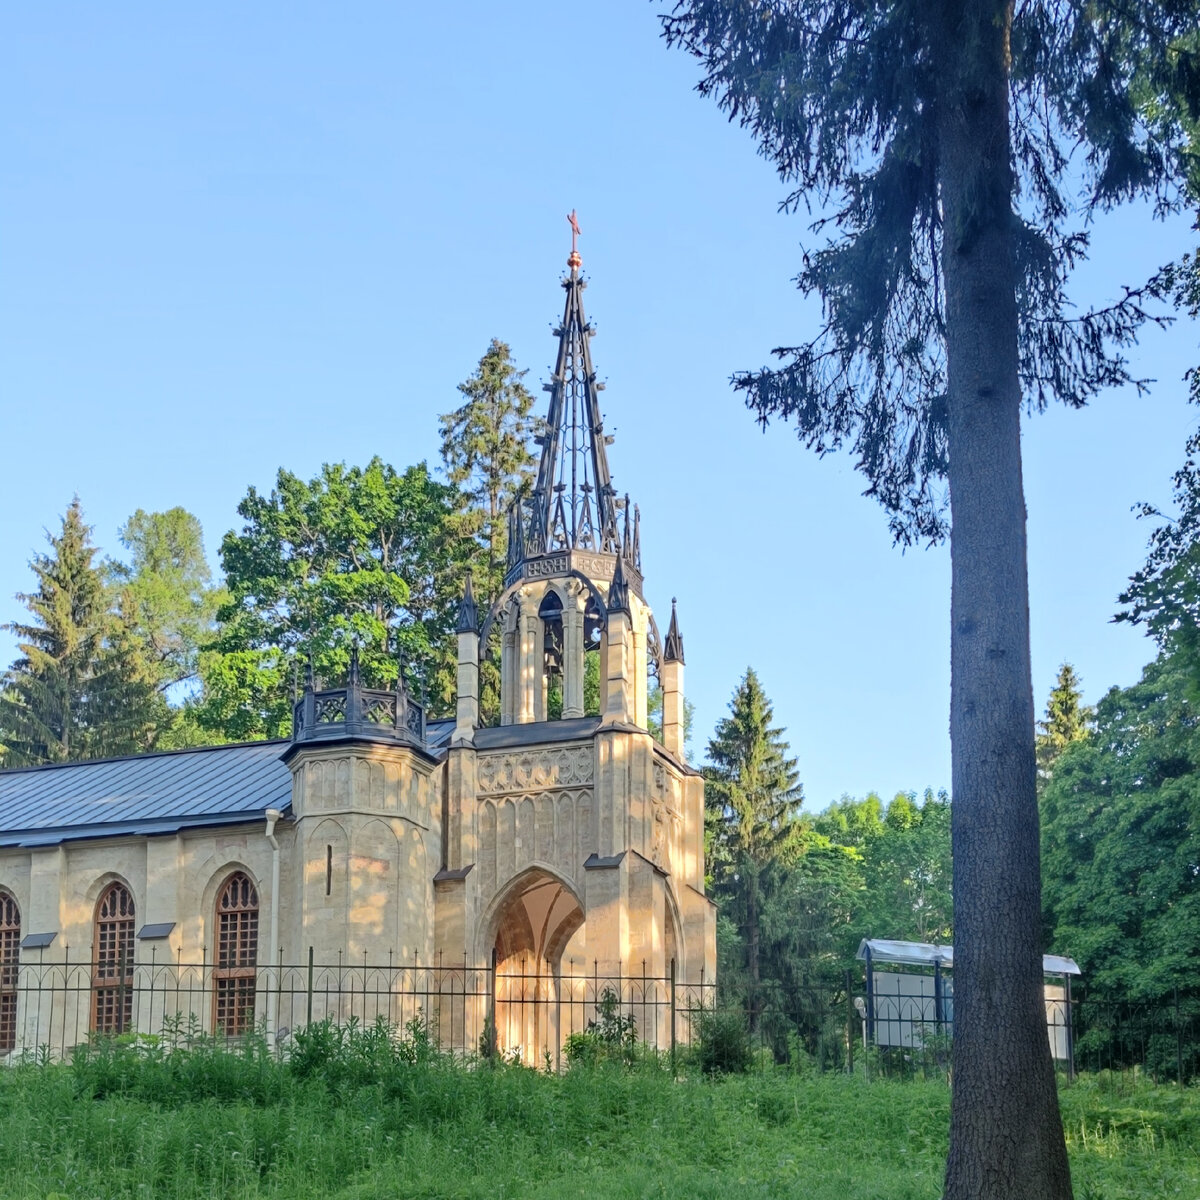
point(362, 1112)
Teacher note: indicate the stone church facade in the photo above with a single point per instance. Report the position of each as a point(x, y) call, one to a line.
point(488, 871)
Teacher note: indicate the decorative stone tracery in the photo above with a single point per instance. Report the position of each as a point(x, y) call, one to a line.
point(532, 770)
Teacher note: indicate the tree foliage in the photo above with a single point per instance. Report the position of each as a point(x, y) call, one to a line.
point(356, 554)
point(1067, 719)
point(752, 789)
point(844, 99)
point(487, 454)
point(77, 689)
point(1121, 843)
point(165, 593)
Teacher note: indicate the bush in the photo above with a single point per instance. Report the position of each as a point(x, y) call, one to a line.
point(722, 1042)
point(611, 1037)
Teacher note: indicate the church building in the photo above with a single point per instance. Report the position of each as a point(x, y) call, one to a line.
point(497, 881)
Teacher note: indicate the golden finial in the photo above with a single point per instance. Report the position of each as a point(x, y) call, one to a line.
point(573, 260)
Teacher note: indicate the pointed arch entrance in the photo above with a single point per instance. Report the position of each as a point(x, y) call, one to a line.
point(532, 922)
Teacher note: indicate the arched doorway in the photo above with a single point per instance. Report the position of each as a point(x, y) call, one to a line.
point(534, 922)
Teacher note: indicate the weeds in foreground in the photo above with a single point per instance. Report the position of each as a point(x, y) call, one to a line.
point(362, 1111)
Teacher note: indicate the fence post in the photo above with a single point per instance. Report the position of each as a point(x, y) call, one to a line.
point(870, 999)
point(1178, 1043)
point(672, 1017)
point(121, 988)
point(1070, 1029)
point(493, 1034)
point(850, 1014)
point(308, 1010)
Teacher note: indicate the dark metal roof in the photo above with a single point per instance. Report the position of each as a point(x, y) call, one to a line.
point(142, 794)
point(534, 733)
point(437, 734)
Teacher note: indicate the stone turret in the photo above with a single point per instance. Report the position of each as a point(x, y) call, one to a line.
point(366, 802)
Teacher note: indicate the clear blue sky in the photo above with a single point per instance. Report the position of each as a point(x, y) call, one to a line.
point(235, 237)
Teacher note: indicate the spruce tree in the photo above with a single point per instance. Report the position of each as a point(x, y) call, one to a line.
point(753, 795)
point(75, 690)
point(1067, 720)
point(486, 452)
point(950, 144)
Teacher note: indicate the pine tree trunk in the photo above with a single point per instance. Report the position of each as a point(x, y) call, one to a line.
point(1006, 1138)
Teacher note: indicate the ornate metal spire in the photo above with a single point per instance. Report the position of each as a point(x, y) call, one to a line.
point(673, 647)
point(574, 514)
point(574, 506)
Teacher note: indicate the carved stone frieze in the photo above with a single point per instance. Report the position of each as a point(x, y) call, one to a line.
point(534, 770)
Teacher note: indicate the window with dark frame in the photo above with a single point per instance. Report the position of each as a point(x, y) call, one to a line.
point(237, 956)
point(10, 952)
point(112, 961)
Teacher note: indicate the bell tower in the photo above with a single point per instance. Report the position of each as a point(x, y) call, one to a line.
point(574, 835)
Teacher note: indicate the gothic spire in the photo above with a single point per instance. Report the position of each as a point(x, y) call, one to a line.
point(673, 647)
point(468, 617)
point(618, 590)
point(574, 506)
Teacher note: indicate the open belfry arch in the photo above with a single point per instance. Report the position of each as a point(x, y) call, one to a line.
point(573, 840)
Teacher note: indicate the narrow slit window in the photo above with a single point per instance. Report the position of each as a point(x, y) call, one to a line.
point(329, 870)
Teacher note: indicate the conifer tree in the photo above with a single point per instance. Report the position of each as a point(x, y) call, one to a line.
point(952, 141)
point(486, 452)
point(753, 793)
point(75, 690)
point(1067, 720)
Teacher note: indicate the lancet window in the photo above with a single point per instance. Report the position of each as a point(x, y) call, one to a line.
point(236, 963)
point(10, 950)
point(112, 961)
point(593, 666)
point(551, 615)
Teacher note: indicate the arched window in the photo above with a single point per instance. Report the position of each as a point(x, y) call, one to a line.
point(593, 681)
point(237, 955)
point(10, 948)
point(551, 613)
point(112, 961)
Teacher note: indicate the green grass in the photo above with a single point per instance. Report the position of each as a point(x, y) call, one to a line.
point(358, 1118)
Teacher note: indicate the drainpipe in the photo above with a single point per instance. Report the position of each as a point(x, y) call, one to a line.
point(273, 816)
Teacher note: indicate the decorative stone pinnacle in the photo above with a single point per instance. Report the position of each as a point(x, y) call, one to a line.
point(618, 590)
point(468, 616)
point(673, 646)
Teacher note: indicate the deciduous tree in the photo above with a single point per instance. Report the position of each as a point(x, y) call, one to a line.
point(362, 554)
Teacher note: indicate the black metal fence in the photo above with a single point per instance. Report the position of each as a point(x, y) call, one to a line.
point(509, 1008)
point(522, 1012)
